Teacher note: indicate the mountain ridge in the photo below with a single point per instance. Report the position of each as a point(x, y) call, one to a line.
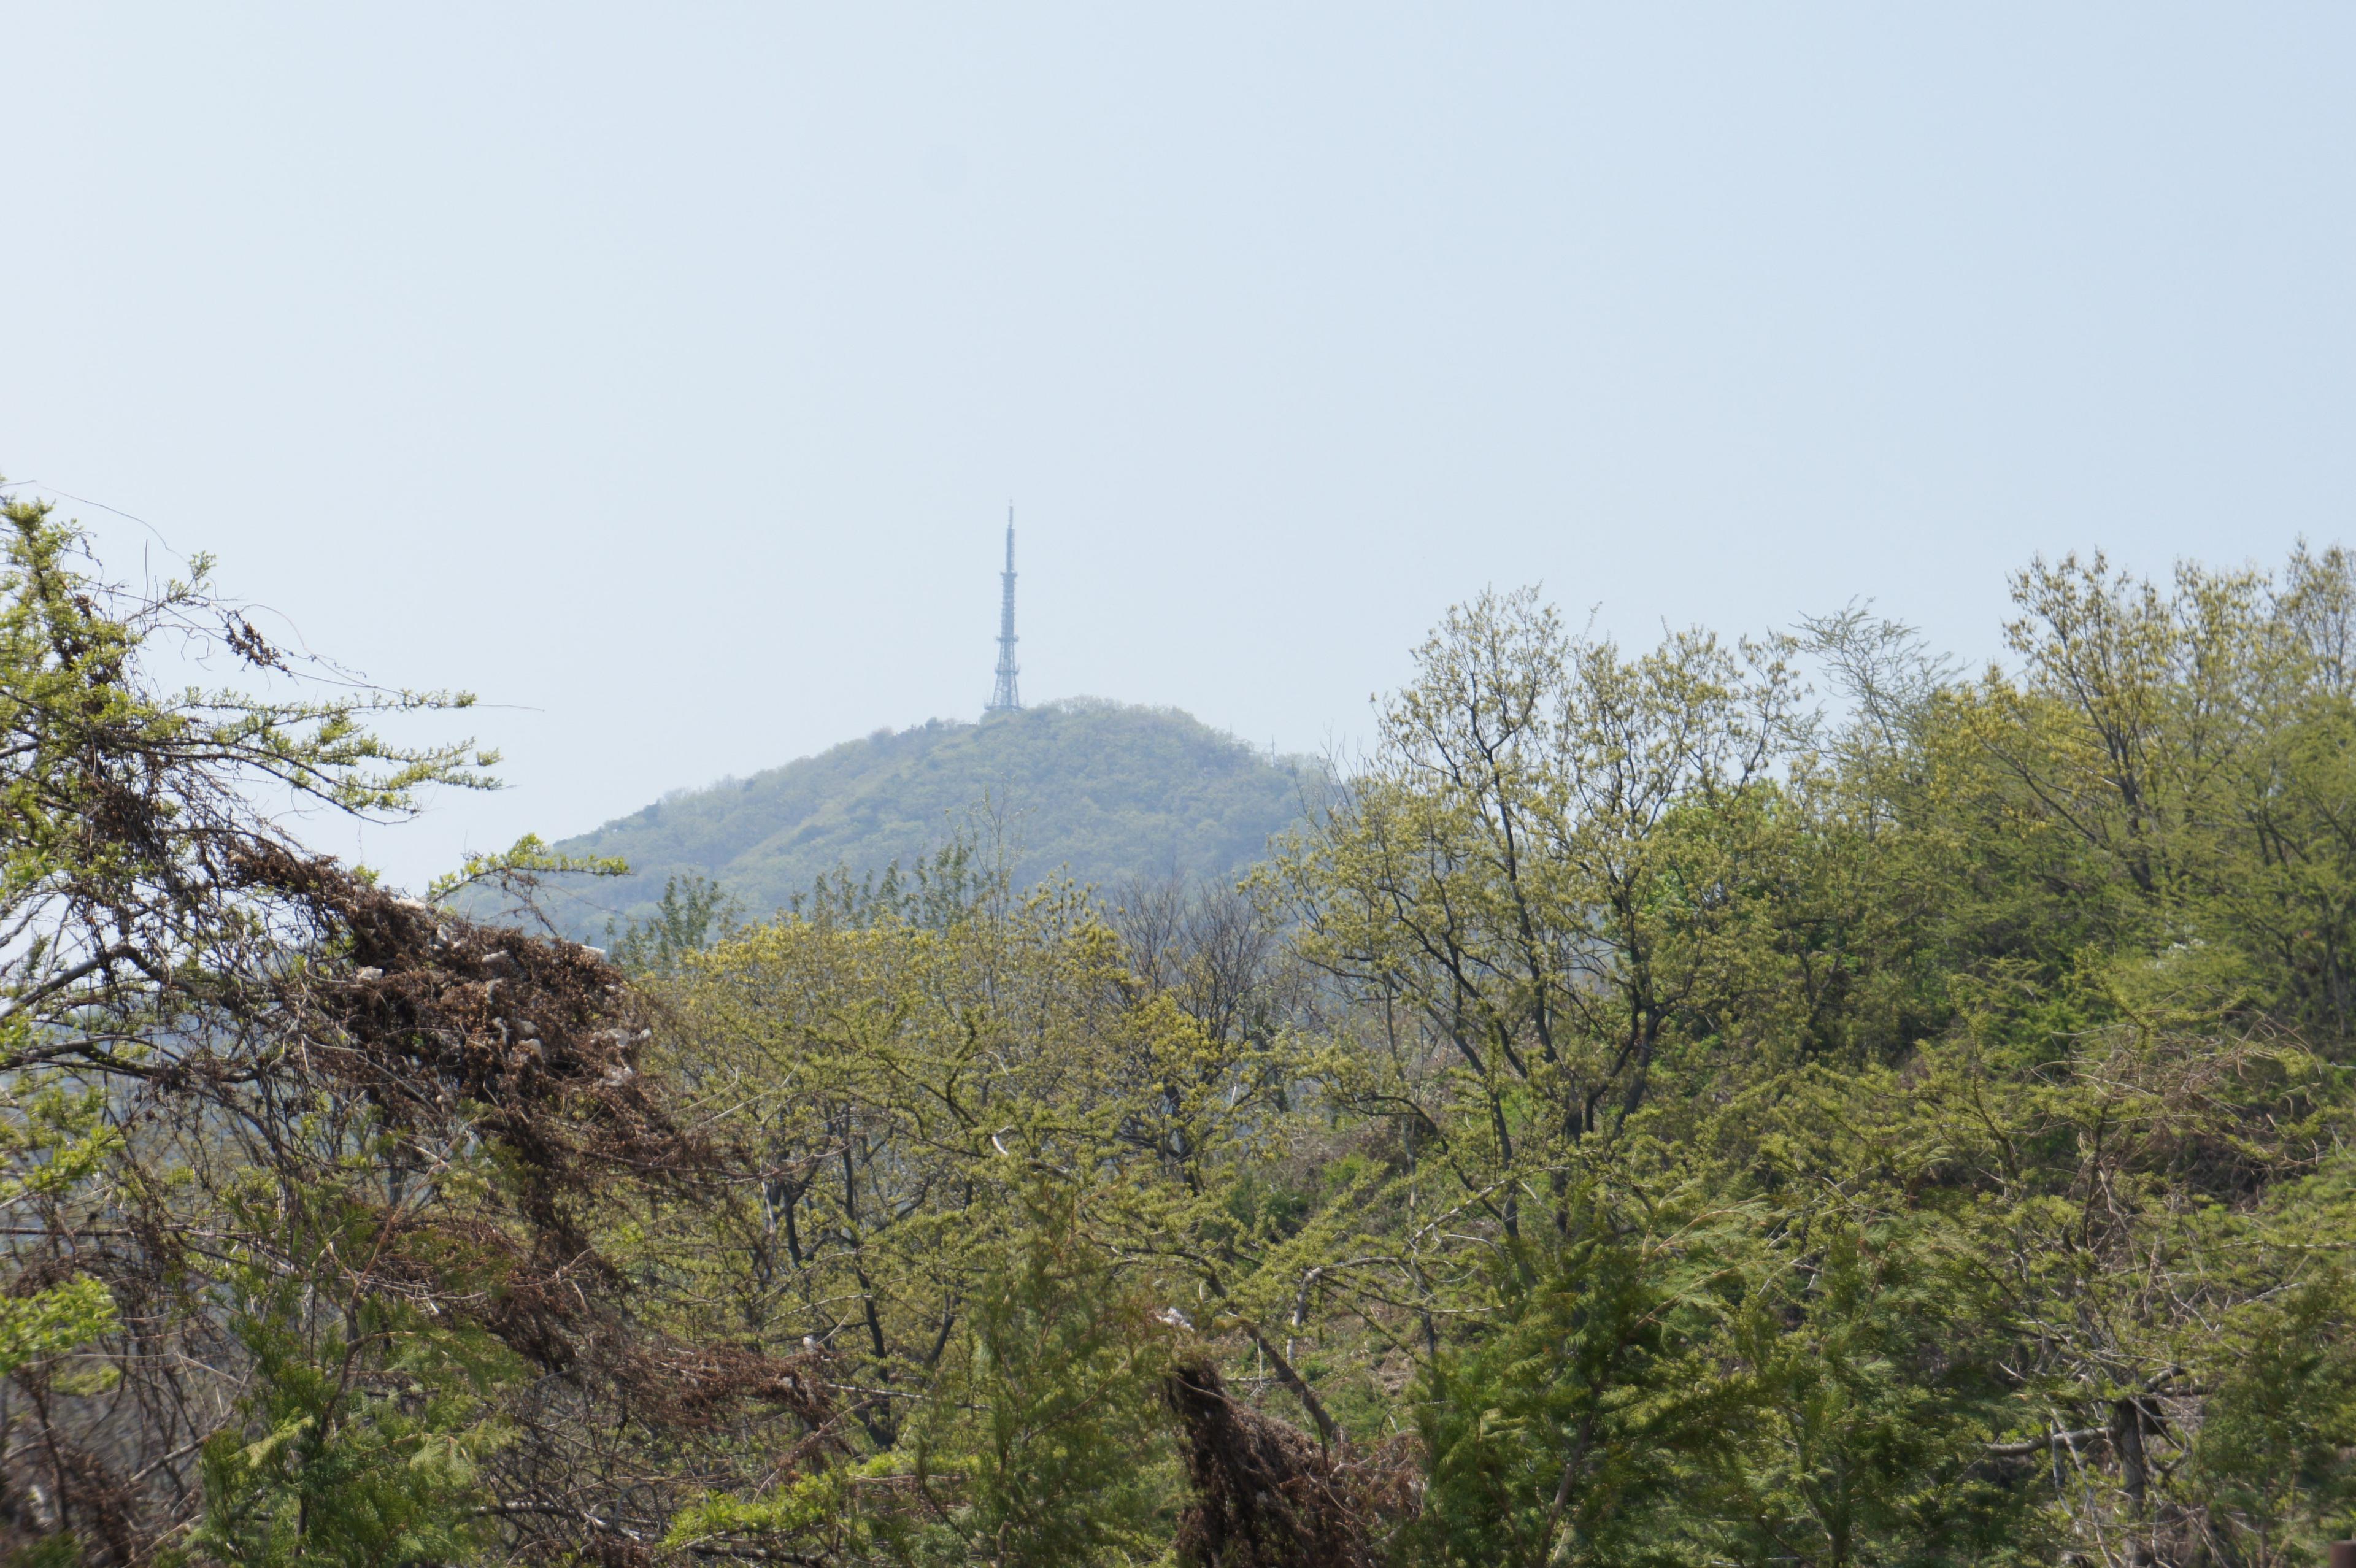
point(1087, 787)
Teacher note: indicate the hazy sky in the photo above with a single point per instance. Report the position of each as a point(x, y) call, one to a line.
point(663, 372)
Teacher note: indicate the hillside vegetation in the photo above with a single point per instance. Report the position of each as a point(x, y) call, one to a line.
point(1641, 1120)
point(1099, 791)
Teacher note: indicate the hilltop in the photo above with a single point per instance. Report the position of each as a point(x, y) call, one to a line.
point(1097, 790)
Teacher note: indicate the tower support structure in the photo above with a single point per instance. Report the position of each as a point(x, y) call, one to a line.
point(1006, 697)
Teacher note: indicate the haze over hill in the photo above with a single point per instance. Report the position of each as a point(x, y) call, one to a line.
point(1099, 790)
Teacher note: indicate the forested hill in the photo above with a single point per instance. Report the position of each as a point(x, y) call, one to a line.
point(1705, 1132)
point(1102, 790)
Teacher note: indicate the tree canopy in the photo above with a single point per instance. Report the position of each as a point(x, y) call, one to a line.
point(1651, 1112)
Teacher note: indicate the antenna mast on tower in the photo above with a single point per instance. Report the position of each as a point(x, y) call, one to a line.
point(1007, 697)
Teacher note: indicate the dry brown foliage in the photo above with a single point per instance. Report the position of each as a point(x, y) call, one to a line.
point(1266, 1494)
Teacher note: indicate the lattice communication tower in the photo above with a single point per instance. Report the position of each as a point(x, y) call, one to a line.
point(1007, 695)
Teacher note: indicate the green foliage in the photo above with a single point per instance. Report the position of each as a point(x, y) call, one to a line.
point(1093, 790)
point(54, 1552)
point(925, 1096)
point(55, 1146)
point(1878, 1384)
point(1039, 1447)
point(1573, 1430)
point(290, 1163)
point(519, 869)
point(52, 1321)
point(1061, 1367)
point(68, 646)
point(358, 1444)
point(693, 913)
point(936, 891)
point(2008, 1007)
point(1637, 1119)
point(2271, 1456)
point(1715, 1135)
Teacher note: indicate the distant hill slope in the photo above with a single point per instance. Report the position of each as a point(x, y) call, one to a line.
point(1096, 788)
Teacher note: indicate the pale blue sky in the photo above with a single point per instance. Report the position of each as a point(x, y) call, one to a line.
point(664, 372)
